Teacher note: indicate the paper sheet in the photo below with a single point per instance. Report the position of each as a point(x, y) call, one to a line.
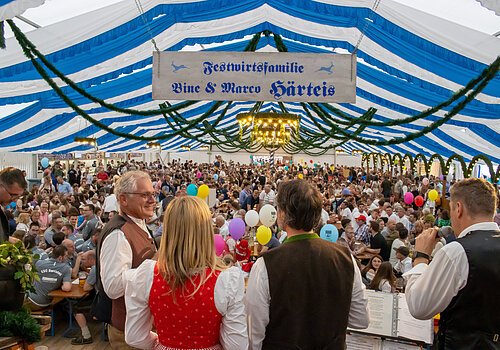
point(390, 345)
point(380, 307)
point(362, 342)
point(411, 328)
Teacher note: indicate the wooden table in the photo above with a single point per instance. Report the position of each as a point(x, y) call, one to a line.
point(76, 292)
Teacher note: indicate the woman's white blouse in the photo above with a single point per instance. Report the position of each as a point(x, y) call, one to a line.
point(228, 296)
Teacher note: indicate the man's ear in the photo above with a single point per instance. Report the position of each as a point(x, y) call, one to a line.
point(459, 209)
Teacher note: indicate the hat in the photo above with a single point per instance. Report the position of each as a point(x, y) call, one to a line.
point(361, 217)
point(346, 192)
point(402, 250)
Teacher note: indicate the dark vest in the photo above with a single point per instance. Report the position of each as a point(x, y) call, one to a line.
point(4, 227)
point(310, 284)
point(472, 320)
point(143, 247)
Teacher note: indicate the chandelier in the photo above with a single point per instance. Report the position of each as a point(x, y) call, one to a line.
point(272, 130)
point(91, 141)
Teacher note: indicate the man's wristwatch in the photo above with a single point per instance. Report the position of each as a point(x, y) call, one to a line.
point(422, 255)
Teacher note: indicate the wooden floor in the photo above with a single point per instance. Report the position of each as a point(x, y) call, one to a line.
point(59, 342)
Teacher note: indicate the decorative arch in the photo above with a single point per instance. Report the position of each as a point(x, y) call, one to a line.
point(442, 163)
point(424, 160)
point(460, 159)
point(410, 159)
point(485, 159)
point(398, 159)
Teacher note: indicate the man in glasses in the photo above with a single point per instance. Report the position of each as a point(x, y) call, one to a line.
point(12, 186)
point(124, 243)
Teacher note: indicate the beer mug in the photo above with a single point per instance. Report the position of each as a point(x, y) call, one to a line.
point(82, 276)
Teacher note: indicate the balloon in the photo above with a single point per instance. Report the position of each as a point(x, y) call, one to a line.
point(419, 201)
point(300, 176)
point(267, 215)
point(44, 162)
point(219, 244)
point(198, 174)
point(263, 235)
point(216, 177)
point(286, 167)
point(192, 190)
point(441, 177)
point(203, 191)
point(237, 228)
point(329, 233)
point(252, 218)
point(408, 198)
point(425, 181)
point(311, 161)
point(433, 195)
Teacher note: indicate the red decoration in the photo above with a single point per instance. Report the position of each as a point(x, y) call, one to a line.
point(311, 161)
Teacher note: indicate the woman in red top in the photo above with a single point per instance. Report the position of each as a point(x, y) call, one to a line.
point(192, 300)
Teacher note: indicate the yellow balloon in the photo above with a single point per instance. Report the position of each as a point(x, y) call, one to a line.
point(433, 195)
point(263, 235)
point(300, 176)
point(203, 191)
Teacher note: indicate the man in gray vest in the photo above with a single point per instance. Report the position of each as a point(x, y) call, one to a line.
point(125, 243)
point(463, 280)
point(12, 186)
point(305, 293)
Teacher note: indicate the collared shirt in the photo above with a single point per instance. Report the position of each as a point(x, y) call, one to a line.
point(258, 300)
point(64, 188)
point(431, 288)
point(116, 258)
point(363, 234)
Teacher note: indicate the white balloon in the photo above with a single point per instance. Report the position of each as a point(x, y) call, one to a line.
point(252, 218)
point(268, 215)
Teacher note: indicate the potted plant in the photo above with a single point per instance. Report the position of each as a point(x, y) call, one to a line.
point(17, 274)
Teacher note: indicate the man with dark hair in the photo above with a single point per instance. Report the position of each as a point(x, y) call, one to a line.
point(54, 273)
point(463, 279)
point(307, 269)
point(56, 226)
point(90, 223)
point(12, 186)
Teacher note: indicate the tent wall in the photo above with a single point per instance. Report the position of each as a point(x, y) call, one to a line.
point(23, 161)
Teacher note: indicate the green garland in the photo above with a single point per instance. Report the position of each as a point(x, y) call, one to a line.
point(445, 165)
point(19, 324)
point(310, 142)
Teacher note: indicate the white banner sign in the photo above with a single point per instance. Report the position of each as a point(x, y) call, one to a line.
point(254, 76)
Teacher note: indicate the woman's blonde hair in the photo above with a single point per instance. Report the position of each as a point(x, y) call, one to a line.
point(187, 244)
point(23, 218)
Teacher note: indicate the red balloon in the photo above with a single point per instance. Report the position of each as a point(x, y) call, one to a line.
point(311, 161)
point(419, 201)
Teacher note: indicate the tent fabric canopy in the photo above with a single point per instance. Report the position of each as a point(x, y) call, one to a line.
point(408, 61)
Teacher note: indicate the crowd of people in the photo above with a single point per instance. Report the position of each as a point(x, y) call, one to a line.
point(147, 247)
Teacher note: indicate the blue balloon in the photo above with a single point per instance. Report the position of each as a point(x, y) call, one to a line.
point(329, 233)
point(216, 177)
point(286, 167)
point(45, 162)
point(192, 190)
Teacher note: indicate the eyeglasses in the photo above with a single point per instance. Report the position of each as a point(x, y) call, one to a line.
point(13, 196)
point(144, 195)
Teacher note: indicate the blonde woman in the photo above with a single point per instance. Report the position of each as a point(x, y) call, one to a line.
point(22, 222)
point(193, 301)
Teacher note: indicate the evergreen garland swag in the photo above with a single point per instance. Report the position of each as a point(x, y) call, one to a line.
point(19, 324)
point(329, 128)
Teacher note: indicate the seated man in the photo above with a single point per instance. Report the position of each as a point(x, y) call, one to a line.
point(83, 305)
point(54, 273)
